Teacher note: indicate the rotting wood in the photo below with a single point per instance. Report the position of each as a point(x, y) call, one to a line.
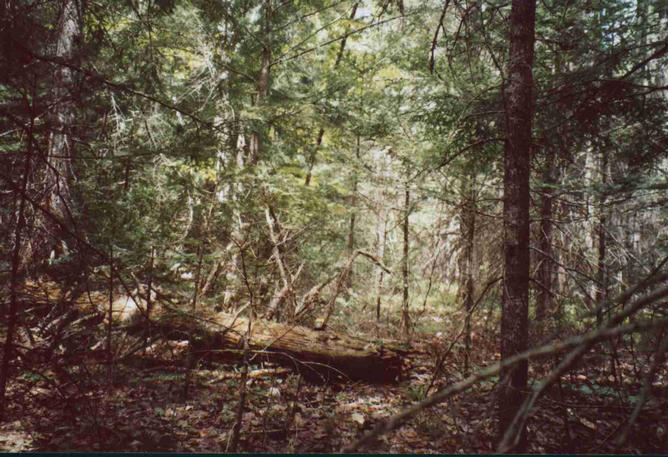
point(315, 354)
point(323, 355)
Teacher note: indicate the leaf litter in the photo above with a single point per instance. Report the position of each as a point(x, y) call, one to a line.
point(146, 411)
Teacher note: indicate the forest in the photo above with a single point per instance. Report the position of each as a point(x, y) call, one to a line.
point(369, 226)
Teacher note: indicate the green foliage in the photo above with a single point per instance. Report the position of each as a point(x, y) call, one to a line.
point(417, 393)
point(167, 106)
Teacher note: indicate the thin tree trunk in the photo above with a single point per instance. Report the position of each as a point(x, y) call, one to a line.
point(544, 295)
point(255, 149)
point(405, 311)
point(601, 274)
point(382, 239)
point(241, 406)
point(601, 292)
point(110, 324)
point(149, 302)
point(353, 215)
point(11, 318)
point(342, 280)
point(288, 280)
point(212, 277)
point(321, 132)
point(468, 233)
point(198, 273)
point(311, 159)
point(351, 241)
point(517, 153)
point(58, 169)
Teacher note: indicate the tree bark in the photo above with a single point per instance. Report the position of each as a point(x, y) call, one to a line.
point(405, 311)
point(149, 301)
point(351, 241)
point(255, 148)
point(110, 308)
point(517, 153)
point(313, 353)
point(544, 295)
point(198, 273)
point(11, 317)
point(353, 215)
point(601, 274)
point(382, 238)
point(468, 221)
point(58, 171)
point(241, 406)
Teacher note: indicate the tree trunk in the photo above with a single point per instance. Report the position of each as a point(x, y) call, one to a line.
point(517, 153)
point(263, 81)
point(544, 295)
point(198, 273)
point(241, 406)
point(149, 301)
point(311, 159)
point(661, 70)
point(110, 314)
point(13, 311)
point(351, 242)
point(321, 132)
point(312, 353)
point(353, 215)
point(468, 220)
point(405, 311)
point(288, 280)
point(58, 170)
point(601, 274)
point(382, 238)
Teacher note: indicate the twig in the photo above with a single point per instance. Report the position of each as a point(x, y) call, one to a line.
point(439, 365)
point(604, 332)
point(342, 279)
point(512, 433)
point(659, 357)
point(434, 41)
point(242, 393)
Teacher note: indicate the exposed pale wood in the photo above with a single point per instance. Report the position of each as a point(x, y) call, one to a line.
point(260, 373)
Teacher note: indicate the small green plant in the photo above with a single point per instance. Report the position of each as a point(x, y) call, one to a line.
point(164, 377)
point(31, 376)
point(418, 393)
point(430, 424)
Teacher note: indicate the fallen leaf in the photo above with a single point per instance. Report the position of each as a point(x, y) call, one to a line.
point(410, 433)
point(357, 417)
point(588, 423)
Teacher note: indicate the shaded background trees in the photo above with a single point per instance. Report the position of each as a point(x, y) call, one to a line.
point(234, 155)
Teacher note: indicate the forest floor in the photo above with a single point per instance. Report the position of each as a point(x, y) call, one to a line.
point(87, 408)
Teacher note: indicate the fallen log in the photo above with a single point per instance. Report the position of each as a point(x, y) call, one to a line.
point(319, 354)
